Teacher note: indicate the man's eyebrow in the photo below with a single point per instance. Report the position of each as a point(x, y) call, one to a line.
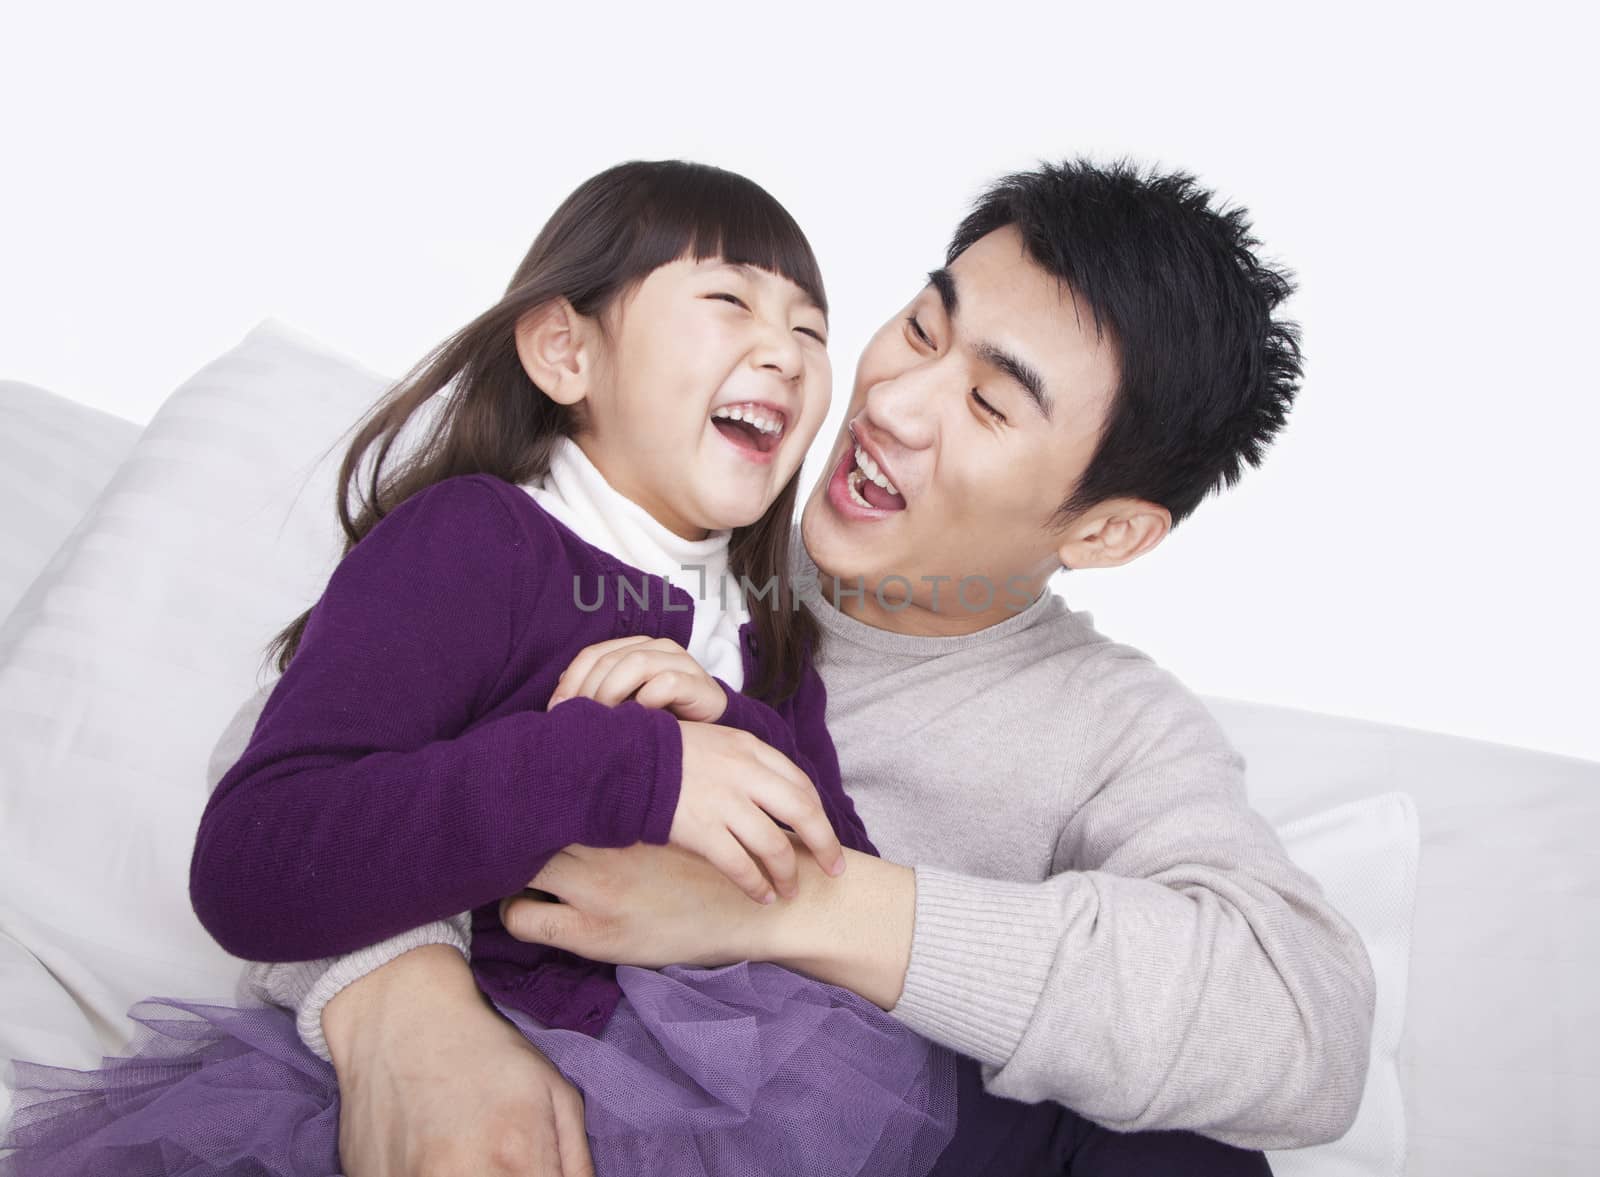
point(1022, 372)
point(1019, 371)
point(944, 282)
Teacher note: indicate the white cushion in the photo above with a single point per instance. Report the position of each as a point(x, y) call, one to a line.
point(1500, 1055)
point(56, 455)
point(141, 638)
point(1364, 856)
point(39, 1020)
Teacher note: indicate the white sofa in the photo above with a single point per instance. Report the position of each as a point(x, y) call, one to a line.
point(144, 569)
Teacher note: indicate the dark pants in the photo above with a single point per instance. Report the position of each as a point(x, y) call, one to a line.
point(1006, 1138)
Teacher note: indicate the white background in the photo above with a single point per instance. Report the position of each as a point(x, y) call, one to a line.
point(1418, 547)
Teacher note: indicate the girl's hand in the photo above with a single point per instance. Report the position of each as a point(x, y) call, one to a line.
point(734, 791)
point(656, 672)
point(735, 787)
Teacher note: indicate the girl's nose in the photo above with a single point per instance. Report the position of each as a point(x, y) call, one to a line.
point(779, 351)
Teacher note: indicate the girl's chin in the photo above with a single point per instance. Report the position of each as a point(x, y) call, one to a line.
point(740, 506)
point(720, 513)
point(733, 520)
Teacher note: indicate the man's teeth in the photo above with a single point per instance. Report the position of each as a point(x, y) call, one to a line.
point(750, 416)
point(853, 482)
point(870, 469)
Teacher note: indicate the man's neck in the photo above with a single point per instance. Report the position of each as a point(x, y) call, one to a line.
point(947, 614)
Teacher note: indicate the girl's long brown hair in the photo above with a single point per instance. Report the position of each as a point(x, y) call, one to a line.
point(609, 234)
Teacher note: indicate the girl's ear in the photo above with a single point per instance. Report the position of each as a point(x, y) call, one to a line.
point(556, 346)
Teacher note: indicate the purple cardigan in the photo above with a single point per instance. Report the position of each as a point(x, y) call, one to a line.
point(404, 768)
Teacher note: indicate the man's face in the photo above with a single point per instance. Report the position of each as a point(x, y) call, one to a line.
point(976, 490)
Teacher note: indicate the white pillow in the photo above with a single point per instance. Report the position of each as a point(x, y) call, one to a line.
point(140, 640)
point(1364, 856)
point(56, 455)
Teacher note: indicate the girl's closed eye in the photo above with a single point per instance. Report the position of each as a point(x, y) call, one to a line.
point(739, 302)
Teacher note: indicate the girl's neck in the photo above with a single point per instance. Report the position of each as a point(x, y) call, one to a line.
point(596, 463)
point(576, 491)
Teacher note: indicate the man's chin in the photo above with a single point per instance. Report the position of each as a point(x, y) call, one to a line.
point(838, 547)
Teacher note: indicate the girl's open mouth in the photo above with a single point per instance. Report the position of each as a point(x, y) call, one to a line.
point(756, 429)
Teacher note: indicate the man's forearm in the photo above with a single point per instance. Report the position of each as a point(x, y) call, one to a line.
point(853, 931)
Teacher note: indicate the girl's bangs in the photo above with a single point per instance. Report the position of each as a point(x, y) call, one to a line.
point(709, 213)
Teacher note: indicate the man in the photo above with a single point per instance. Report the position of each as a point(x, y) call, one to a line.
point(1097, 355)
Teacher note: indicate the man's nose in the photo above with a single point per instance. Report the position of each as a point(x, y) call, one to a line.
point(904, 410)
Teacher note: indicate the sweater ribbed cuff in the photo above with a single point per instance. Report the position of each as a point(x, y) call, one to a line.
point(351, 967)
point(306, 986)
point(980, 952)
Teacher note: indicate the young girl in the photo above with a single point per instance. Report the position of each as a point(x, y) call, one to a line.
point(629, 418)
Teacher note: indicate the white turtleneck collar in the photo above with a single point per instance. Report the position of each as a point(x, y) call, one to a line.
point(577, 493)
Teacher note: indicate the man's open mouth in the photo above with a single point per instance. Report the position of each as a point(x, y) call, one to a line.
point(868, 486)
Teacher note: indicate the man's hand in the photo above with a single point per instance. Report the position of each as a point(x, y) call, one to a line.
point(644, 905)
point(652, 906)
point(434, 1082)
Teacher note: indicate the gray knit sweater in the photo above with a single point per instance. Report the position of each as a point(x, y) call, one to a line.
point(1101, 918)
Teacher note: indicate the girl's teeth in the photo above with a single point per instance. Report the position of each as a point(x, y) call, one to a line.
point(870, 469)
point(752, 416)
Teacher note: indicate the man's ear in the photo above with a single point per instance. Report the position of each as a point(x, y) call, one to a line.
point(557, 348)
point(1114, 532)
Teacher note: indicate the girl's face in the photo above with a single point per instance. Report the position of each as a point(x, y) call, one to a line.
point(696, 344)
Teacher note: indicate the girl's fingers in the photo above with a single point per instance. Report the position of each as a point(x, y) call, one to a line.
point(789, 772)
point(795, 803)
point(618, 673)
point(578, 669)
point(614, 679)
point(817, 832)
point(662, 691)
point(588, 682)
point(585, 658)
point(771, 847)
point(633, 666)
point(688, 697)
point(730, 858)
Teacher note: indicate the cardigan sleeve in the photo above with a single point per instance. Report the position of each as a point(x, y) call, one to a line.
point(304, 987)
point(369, 801)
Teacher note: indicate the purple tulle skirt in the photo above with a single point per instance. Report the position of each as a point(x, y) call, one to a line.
point(745, 1069)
